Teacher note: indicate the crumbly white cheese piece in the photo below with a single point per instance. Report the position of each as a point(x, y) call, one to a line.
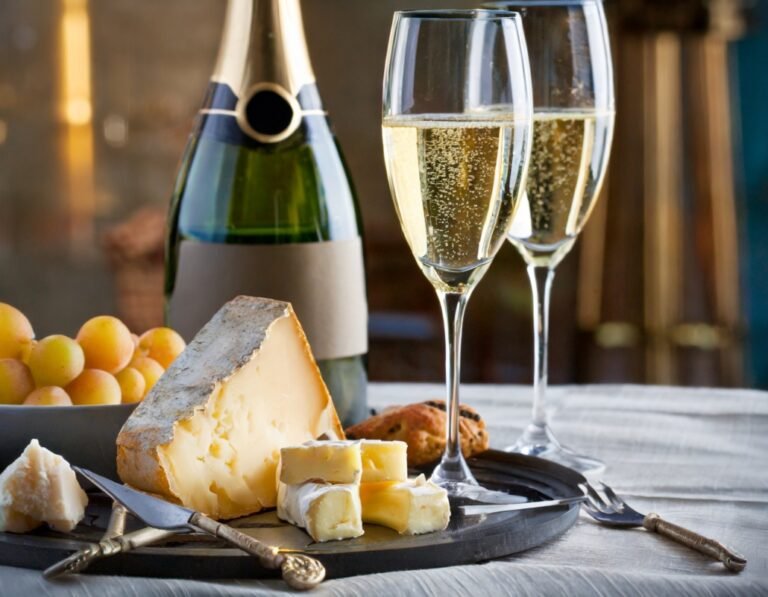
point(327, 512)
point(411, 507)
point(209, 433)
point(321, 461)
point(40, 486)
point(384, 460)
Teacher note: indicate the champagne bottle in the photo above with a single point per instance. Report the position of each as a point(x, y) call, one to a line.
point(263, 204)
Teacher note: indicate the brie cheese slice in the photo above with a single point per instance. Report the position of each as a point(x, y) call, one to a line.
point(384, 460)
point(321, 461)
point(411, 507)
point(327, 512)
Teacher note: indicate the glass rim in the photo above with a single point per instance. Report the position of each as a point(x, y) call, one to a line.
point(527, 3)
point(458, 14)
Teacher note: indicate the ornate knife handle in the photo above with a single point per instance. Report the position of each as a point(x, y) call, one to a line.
point(299, 571)
point(732, 560)
point(74, 563)
point(80, 560)
point(117, 518)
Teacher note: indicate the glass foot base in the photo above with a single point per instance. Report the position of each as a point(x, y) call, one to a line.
point(454, 476)
point(539, 441)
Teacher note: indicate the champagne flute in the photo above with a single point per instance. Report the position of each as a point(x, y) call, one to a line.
point(456, 131)
point(572, 131)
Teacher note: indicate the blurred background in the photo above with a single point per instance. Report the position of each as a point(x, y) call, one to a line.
point(668, 283)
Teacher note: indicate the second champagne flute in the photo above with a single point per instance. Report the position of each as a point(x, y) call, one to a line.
point(572, 132)
point(456, 132)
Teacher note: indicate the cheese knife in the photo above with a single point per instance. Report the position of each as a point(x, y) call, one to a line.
point(298, 570)
point(493, 508)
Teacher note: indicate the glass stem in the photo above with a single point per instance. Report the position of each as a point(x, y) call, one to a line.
point(453, 306)
point(541, 287)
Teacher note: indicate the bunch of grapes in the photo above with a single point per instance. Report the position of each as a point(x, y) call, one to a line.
point(104, 364)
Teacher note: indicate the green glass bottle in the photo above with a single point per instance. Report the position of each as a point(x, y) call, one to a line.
point(263, 203)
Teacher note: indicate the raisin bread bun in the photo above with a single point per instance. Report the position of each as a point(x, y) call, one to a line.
point(422, 427)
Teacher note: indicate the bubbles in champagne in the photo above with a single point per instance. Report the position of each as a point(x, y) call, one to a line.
point(568, 158)
point(448, 179)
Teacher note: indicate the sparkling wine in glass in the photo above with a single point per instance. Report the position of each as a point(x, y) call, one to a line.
point(573, 119)
point(456, 132)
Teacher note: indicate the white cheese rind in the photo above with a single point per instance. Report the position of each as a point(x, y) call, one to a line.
point(209, 433)
point(327, 512)
point(40, 486)
point(413, 507)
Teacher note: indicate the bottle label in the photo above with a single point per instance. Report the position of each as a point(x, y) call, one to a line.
point(325, 282)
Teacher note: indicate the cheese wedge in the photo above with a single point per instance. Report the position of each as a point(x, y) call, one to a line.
point(327, 512)
point(40, 486)
point(411, 507)
point(209, 433)
point(323, 461)
point(384, 461)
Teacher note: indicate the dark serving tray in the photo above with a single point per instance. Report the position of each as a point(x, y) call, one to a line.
point(468, 539)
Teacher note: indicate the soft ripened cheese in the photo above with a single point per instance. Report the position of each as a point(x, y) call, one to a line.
point(321, 461)
point(209, 433)
point(384, 461)
point(40, 486)
point(327, 512)
point(411, 507)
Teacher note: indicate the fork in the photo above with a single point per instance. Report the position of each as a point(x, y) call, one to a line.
point(113, 542)
point(616, 512)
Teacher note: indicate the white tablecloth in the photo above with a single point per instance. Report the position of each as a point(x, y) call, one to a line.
point(697, 456)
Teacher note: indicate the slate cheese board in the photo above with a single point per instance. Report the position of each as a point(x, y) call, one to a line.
point(468, 539)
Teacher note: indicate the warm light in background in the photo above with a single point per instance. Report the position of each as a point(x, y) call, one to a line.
point(77, 112)
point(76, 62)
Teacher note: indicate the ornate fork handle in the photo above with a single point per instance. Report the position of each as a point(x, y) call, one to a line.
point(299, 571)
point(714, 549)
point(80, 560)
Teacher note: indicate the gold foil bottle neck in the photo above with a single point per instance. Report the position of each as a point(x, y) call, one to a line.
point(263, 42)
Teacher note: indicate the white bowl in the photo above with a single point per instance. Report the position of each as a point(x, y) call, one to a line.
point(84, 435)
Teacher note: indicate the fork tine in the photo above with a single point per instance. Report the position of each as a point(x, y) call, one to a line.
point(590, 508)
point(592, 492)
point(594, 499)
point(617, 502)
point(597, 505)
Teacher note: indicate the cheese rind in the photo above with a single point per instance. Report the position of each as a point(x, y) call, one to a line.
point(327, 512)
point(384, 460)
point(411, 507)
point(323, 461)
point(40, 486)
point(209, 433)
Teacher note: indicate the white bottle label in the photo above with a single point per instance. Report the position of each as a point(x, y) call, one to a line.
point(325, 282)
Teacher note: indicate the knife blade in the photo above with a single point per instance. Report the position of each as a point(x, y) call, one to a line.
point(153, 511)
point(493, 508)
point(299, 571)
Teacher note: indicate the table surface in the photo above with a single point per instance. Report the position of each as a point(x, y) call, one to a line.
point(699, 457)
